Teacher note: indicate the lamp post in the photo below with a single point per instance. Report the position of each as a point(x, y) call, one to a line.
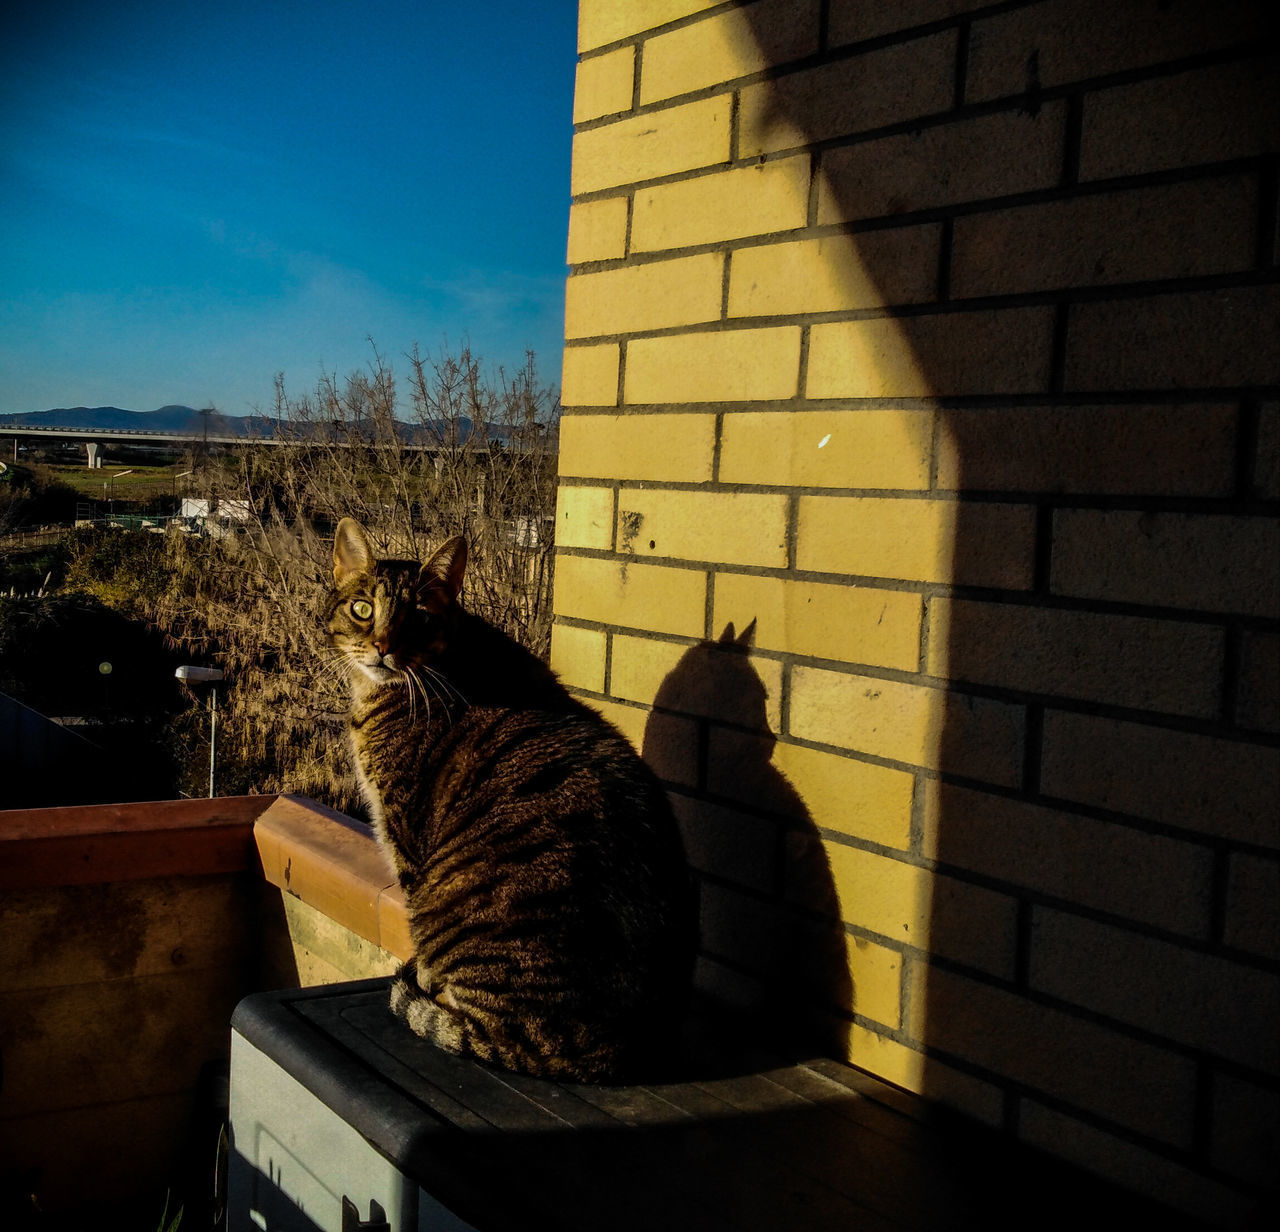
point(111, 502)
point(209, 676)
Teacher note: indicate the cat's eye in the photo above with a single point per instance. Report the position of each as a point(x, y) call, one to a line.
point(362, 609)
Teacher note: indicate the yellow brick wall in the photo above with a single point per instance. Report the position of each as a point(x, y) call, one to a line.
point(920, 522)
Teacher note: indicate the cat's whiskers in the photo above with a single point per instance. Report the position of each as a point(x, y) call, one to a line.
point(334, 672)
point(335, 663)
point(444, 689)
point(449, 687)
point(414, 684)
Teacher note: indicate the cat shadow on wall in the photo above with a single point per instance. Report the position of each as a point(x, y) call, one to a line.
point(772, 947)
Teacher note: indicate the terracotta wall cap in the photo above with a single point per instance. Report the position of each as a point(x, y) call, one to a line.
point(85, 844)
point(334, 864)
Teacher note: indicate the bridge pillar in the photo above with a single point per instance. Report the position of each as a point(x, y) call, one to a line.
point(91, 448)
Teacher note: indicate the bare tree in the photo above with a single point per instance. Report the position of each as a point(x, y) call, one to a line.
point(474, 455)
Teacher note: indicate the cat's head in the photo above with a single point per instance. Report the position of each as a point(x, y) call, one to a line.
point(390, 617)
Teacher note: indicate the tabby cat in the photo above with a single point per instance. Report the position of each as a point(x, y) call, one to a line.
point(549, 899)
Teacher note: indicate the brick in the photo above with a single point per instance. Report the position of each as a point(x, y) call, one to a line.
point(996, 351)
point(1199, 561)
point(976, 159)
point(1131, 1166)
point(676, 448)
point(731, 927)
point(1104, 450)
point(720, 680)
point(1258, 693)
point(1195, 999)
point(1182, 341)
point(832, 791)
point(670, 743)
point(729, 45)
point(732, 366)
point(1253, 905)
point(1203, 116)
point(851, 23)
point(1245, 1129)
point(726, 985)
point(917, 540)
point(1084, 1063)
point(726, 205)
point(590, 375)
point(878, 88)
point(604, 85)
point(898, 901)
point(634, 596)
point(682, 291)
point(1072, 40)
point(606, 21)
point(876, 971)
point(732, 528)
point(584, 517)
point(729, 845)
point(1205, 227)
point(577, 657)
point(1215, 787)
point(655, 144)
point(1114, 868)
point(1163, 665)
point(696, 681)
point(1266, 469)
point(856, 624)
point(740, 767)
point(833, 273)
point(906, 1066)
point(886, 1058)
point(908, 723)
point(828, 449)
point(597, 230)
point(631, 721)
point(774, 944)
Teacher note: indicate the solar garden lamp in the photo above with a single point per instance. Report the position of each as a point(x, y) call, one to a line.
point(209, 676)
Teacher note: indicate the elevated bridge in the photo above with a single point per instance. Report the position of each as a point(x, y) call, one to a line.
point(92, 439)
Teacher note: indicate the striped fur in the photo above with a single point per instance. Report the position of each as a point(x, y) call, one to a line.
point(550, 904)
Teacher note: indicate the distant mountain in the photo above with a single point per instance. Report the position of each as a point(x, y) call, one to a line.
point(182, 419)
point(187, 421)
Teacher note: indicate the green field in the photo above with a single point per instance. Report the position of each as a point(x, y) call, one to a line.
point(143, 483)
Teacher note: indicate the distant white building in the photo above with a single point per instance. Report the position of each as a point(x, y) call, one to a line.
point(219, 511)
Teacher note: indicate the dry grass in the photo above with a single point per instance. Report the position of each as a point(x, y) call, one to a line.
point(250, 601)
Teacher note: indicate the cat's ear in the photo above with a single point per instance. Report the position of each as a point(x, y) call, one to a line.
point(351, 550)
point(744, 640)
point(447, 566)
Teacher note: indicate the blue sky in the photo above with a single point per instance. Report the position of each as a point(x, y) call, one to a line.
point(196, 196)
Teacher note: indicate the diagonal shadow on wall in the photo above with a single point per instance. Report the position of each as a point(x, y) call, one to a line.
point(1084, 418)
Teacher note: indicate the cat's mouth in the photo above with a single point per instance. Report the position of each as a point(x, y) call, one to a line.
point(382, 669)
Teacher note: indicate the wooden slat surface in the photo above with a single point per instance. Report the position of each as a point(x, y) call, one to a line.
point(737, 1142)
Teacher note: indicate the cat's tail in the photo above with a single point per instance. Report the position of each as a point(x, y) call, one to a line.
point(437, 1023)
